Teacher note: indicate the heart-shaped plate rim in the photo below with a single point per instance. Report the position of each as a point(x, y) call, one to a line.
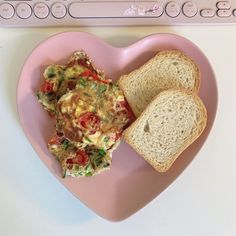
point(131, 183)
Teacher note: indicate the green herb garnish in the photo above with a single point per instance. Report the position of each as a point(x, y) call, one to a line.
point(88, 170)
point(64, 174)
point(65, 144)
point(106, 139)
point(76, 168)
point(115, 87)
point(38, 95)
point(87, 94)
point(102, 88)
point(61, 75)
point(88, 167)
point(101, 152)
point(89, 174)
point(94, 86)
point(87, 139)
point(51, 72)
point(71, 77)
point(62, 78)
point(82, 82)
point(97, 161)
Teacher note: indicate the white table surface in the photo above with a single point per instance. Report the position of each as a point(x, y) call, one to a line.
point(202, 201)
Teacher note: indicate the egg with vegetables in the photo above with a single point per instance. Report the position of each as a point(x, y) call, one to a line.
point(86, 161)
point(90, 112)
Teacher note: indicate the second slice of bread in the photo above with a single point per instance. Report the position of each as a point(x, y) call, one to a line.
point(170, 123)
point(168, 69)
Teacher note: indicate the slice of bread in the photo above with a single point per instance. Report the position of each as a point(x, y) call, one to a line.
point(168, 69)
point(170, 123)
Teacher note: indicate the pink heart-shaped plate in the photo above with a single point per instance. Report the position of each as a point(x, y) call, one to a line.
point(131, 183)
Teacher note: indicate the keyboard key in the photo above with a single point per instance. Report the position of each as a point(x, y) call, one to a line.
point(23, 10)
point(173, 9)
point(190, 9)
point(223, 5)
point(58, 10)
point(207, 13)
point(234, 12)
point(224, 13)
point(6, 11)
point(41, 10)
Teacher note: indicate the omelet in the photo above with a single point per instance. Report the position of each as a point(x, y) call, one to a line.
point(87, 161)
point(90, 114)
point(59, 79)
point(93, 113)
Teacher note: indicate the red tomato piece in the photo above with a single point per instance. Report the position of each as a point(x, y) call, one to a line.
point(81, 158)
point(89, 73)
point(90, 121)
point(54, 140)
point(73, 134)
point(81, 62)
point(86, 73)
point(47, 87)
point(118, 136)
point(123, 105)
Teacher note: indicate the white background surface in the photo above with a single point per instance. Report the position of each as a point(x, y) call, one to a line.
point(201, 202)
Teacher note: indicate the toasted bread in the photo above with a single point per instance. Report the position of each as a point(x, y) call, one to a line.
point(168, 69)
point(169, 124)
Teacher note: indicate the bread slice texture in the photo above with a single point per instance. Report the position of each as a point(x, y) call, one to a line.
point(170, 123)
point(168, 69)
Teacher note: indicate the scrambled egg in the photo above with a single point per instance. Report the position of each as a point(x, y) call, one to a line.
point(90, 112)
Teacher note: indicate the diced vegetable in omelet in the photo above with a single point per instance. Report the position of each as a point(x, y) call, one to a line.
point(90, 113)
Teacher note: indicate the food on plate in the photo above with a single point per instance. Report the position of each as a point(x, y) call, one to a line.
point(90, 113)
point(78, 161)
point(59, 79)
point(168, 69)
point(170, 123)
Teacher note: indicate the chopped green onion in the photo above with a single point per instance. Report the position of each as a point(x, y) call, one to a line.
point(102, 88)
point(88, 170)
point(65, 144)
point(38, 95)
point(62, 77)
point(88, 167)
point(88, 95)
point(94, 85)
point(101, 152)
point(51, 72)
point(86, 138)
point(76, 167)
point(98, 160)
point(64, 174)
point(83, 82)
point(106, 139)
point(115, 87)
point(89, 174)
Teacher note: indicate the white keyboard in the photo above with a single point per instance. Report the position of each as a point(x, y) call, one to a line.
point(33, 13)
